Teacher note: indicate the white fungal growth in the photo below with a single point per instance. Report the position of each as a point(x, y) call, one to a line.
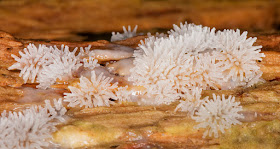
point(63, 66)
point(85, 52)
point(166, 66)
point(191, 101)
point(123, 94)
point(32, 128)
point(32, 61)
point(189, 29)
point(204, 72)
point(127, 34)
point(194, 56)
point(191, 58)
point(46, 65)
point(238, 57)
point(218, 114)
point(160, 93)
point(90, 63)
point(91, 93)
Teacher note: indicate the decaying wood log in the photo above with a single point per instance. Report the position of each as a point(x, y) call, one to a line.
point(158, 126)
point(10, 45)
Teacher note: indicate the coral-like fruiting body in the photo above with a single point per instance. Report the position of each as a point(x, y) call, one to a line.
point(91, 93)
point(31, 128)
point(90, 63)
point(127, 34)
point(194, 56)
point(63, 66)
point(218, 114)
point(32, 61)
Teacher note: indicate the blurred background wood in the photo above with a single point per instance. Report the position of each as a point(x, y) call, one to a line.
point(78, 20)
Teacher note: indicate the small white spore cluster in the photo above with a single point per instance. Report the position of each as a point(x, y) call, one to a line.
point(46, 65)
point(192, 58)
point(31, 128)
point(94, 92)
point(127, 34)
point(218, 114)
point(32, 61)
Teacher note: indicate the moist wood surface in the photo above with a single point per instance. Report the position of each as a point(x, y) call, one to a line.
point(261, 99)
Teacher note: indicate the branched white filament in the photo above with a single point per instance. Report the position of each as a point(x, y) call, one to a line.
point(32, 128)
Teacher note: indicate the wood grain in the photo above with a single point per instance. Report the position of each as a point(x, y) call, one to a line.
point(76, 20)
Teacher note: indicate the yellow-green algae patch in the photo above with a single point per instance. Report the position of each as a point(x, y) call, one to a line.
point(183, 127)
point(84, 134)
point(260, 134)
